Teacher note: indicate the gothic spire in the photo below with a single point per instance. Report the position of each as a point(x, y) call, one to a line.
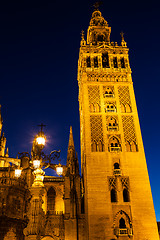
point(71, 141)
point(71, 156)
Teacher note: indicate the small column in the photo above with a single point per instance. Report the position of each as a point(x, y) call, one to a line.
point(35, 227)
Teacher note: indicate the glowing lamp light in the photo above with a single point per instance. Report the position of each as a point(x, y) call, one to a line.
point(18, 173)
point(40, 140)
point(59, 169)
point(36, 163)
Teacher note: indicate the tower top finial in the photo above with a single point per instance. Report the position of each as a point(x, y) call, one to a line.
point(97, 5)
point(41, 126)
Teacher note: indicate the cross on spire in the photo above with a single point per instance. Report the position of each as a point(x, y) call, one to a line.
point(41, 126)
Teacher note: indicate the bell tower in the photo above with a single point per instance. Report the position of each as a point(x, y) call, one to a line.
point(117, 195)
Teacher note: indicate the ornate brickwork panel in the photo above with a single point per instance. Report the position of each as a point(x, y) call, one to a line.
point(96, 134)
point(112, 182)
point(124, 98)
point(129, 133)
point(125, 182)
point(94, 98)
point(107, 77)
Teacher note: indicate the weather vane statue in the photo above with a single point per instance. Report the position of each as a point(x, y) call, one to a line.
point(97, 5)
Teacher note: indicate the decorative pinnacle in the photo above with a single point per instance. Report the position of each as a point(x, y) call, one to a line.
point(71, 142)
point(122, 36)
point(97, 5)
point(82, 35)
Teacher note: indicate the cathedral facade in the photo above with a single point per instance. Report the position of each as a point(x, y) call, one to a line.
point(112, 199)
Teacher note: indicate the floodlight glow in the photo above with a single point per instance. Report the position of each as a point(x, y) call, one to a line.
point(40, 140)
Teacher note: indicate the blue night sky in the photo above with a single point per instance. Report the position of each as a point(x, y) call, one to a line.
point(39, 47)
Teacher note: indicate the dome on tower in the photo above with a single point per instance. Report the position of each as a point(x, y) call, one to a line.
point(97, 19)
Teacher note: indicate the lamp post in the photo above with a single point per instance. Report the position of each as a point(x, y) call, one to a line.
point(37, 162)
point(39, 159)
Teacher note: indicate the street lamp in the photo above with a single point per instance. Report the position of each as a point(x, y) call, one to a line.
point(59, 169)
point(18, 172)
point(36, 163)
point(39, 159)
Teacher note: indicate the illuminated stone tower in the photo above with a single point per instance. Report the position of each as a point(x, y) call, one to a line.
point(117, 195)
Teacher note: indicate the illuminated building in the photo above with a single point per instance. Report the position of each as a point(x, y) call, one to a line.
point(112, 199)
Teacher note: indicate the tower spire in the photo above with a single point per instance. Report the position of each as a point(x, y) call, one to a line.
point(71, 141)
point(72, 166)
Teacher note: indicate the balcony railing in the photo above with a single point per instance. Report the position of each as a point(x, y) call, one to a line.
point(52, 212)
point(114, 149)
point(110, 109)
point(123, 231)
point(117, 171)
point(112, 128)
point(108, 95)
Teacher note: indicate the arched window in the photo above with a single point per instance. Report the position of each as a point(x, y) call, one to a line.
point(114, 144)
point(96, 62)
point(88, 60)
point(94, 146)
point(112, 123)
point(113, 195)
point(100, 146)
point(133, 147)
point(110, 107)
point(123, 110)
point(92, 107)
point(122, 63)
point(82, 205)
point(116, 166)
point(115, 63)
point(97, 109)
point(100, 38)
point(128, 147)
point(117, 170)
point(105, 60)
point(122, 223)
point(125, 195)
point(51, 194)
point(108, 92)
point(128, 108)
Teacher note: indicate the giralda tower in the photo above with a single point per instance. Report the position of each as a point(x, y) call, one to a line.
point(117, 195)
